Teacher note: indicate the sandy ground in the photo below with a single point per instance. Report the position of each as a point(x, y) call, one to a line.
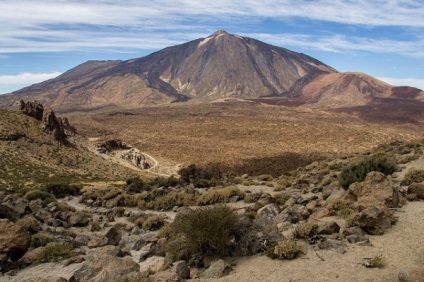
point(402, 246)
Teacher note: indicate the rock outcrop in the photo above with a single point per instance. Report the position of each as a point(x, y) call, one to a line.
point(50, 123)
point(14, 241)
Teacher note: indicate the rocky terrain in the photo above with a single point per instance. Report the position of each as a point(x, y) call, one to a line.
point(38, 147)
point(220, 66)
point(308, 219)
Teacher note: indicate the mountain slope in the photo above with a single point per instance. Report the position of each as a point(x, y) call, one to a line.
point(31, 155)
point(219, 66)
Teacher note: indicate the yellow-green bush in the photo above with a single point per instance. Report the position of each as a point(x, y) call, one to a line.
point(220, 195)
point(414, 175)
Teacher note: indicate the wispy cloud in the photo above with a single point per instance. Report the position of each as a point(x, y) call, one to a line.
point(9, 83)
point(74, 25)
point(341, 43)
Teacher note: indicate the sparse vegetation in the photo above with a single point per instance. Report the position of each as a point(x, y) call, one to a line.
point(40, 240)
point(414, 175)
point(358, 172)
point(62, 189)
point(219, 195)
point(203, 231)
point(287, 249)
point(56, 252)
point(45, 197)
point(375, 262)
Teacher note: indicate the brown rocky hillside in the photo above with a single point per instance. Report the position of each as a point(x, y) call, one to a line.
point(37, 147)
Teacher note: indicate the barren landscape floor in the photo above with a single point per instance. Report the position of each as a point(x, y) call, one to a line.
point(243, 137)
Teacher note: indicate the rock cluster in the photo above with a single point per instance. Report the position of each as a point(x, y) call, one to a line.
point(125, 152)
point(50, 123)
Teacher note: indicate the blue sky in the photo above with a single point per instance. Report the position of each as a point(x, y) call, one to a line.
point(44, 38)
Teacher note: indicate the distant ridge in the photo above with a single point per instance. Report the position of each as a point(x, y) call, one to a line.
point(219, 66)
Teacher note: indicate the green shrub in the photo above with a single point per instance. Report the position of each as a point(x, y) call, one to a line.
point(56, 252)
point(281, 199)
point(414, 175)
point(375, 262)
point(40, 240)
point(358, 172)
point(45, 197)
point(164, 182)
point(29, 223)
point(61, 189)
point(64, 207)
point(219, 195)
point(135, 185)
point(200, 177)
point(203, 231)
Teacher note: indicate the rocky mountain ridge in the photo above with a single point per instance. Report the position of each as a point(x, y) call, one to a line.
point(220, 66)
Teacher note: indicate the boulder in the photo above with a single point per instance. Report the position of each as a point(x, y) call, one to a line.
point(14, 240)
point(105, 264)
point(114, 235)
point(377, 190)
point(79, 219)
point(32, 256)
point(374, 221)
point(415, 274)
point(294, 214)
point(326, 227)
point(179, 272)
point(153, 264)
point(217, 269)
point(267, 213)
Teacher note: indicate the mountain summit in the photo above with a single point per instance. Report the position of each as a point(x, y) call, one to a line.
point(219, 66)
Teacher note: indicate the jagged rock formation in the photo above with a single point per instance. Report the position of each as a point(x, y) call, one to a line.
point(50, 123)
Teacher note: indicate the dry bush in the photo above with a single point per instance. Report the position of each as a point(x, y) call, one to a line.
point(287, 249)
point(171, 200)
point(203, 231)
point(219, 195)
point(414, 175)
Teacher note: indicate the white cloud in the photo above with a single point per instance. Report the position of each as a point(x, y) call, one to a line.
point(414, 82)
point(9, 83)
point(74, 25)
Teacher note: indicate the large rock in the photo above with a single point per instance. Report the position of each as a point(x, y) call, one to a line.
point(267, 213)
point(14, 240)
point(52, 124)
point(374, 221)
point(105, 264)
point(217, 269)
point(411, 274)
point(293, 214)
point(79, 219)
point(377, 190)
point(33, 109)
